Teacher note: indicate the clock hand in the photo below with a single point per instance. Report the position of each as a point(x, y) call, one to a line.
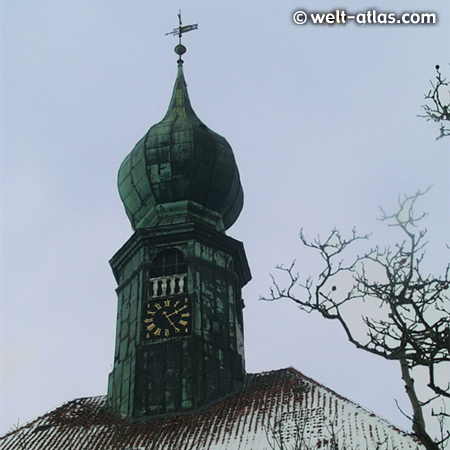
point(177, 311)
point(167, 316)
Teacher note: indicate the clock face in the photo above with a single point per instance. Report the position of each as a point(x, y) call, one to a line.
point(166, 318)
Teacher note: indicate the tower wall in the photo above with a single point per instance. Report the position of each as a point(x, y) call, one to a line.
point(155, 375)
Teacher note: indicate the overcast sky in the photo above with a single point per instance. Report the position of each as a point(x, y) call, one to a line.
point(323, 123)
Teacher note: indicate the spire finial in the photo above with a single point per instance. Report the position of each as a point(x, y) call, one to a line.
point(180, 49)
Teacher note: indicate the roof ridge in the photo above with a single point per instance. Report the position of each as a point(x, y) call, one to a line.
point(46, 414)
point(267, 396)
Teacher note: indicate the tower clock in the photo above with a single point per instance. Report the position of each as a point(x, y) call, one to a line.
point(166, 318)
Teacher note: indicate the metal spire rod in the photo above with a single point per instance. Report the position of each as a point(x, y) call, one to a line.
point(180, 49)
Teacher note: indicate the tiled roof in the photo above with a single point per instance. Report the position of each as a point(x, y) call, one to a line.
point(281, 409)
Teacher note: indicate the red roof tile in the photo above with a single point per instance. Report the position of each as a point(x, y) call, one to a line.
point(278, 409)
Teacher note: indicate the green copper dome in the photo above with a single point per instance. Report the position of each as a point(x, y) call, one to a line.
point(179, 170)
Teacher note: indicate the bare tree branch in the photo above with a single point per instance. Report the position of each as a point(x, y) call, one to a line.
point(439, 108)
point(413, 326)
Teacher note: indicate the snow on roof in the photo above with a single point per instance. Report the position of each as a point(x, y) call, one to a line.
point(282, 409)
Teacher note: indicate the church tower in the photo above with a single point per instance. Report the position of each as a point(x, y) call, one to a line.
point(179, 336)
point(179, 354)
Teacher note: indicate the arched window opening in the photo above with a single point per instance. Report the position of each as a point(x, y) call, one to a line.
point(168, 274)
point(169, 262)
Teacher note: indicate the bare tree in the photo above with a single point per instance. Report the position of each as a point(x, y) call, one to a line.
point(411, 323)
point(290, 433)
point(22, 438)
point(438, 109)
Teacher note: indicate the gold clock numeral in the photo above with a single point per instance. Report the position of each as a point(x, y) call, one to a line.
point(185, 315)
point(183, 323)
point(158, 306)
point(157, 332)
point(167, 302)
point(166, 333)
point(176, 303)
point(147, 335)
point(148, 320)
point(151, 326)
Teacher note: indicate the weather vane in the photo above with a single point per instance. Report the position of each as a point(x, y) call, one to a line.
point(181, 49)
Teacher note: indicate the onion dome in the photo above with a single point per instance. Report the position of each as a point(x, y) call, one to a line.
point(181, 170)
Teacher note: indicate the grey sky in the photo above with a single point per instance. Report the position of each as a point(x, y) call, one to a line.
point(323, 123)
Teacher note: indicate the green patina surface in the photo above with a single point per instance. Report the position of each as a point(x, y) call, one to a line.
point(179, 374)
point(180, 159)
point(181, 190)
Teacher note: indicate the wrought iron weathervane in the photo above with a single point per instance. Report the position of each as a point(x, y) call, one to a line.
point(181, 49)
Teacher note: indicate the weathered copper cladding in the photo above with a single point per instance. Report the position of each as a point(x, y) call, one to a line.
point(166, 375)
point(181, 190)
point(181, 167)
